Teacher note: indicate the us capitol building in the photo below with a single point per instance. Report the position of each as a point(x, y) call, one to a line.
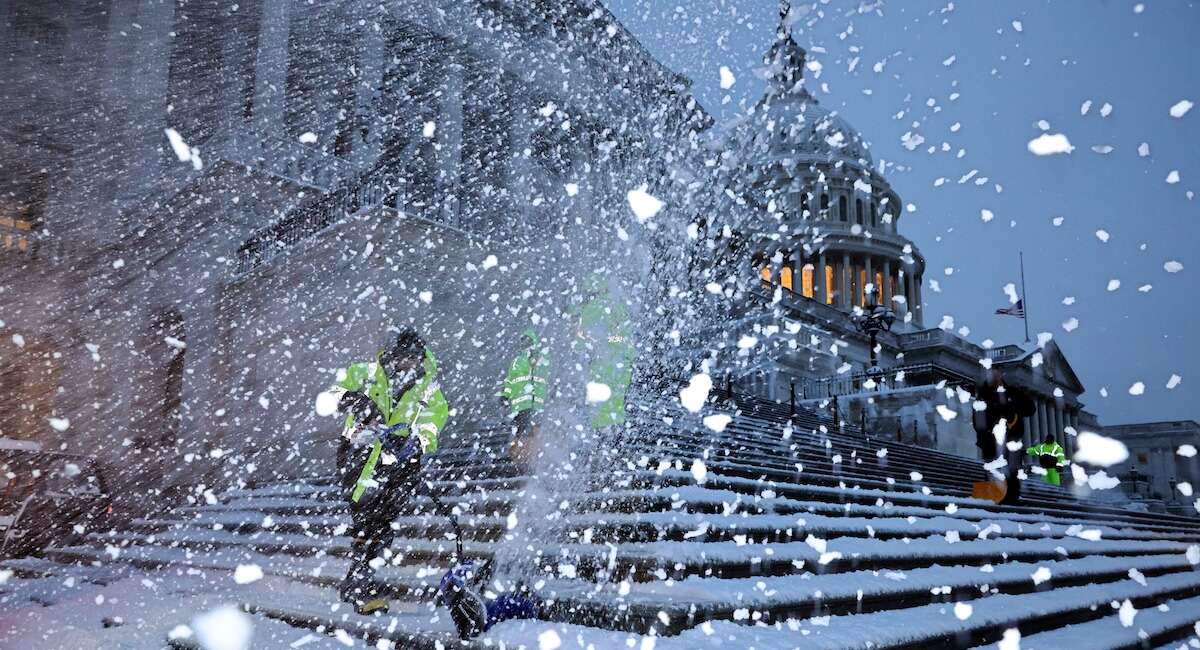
point(343, 167)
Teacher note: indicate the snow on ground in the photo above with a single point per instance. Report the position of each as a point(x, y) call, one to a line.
point(142, 608)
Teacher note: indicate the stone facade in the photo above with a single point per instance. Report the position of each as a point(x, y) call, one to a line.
point(1156, 471)
point(181, 312)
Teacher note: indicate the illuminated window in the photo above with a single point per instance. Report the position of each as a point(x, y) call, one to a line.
point(830, 286)
point(765, 274)
point(785, 278)
point(862, 286)
point(806, 280)
point(879, 289)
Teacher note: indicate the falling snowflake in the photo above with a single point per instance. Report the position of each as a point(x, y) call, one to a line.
point(727, 78)
point(644, 206)
point(1098, 450)
point(717, 422)
point(1048, 144)
point(1181, 108)
point(247, 573)
point(693, 396)
point(597, 392)
point(1126, 613)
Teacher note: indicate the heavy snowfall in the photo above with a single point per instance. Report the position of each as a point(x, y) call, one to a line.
point(598, 324)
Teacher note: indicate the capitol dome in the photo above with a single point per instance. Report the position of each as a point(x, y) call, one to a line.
point(789, 121)
point(828, 228)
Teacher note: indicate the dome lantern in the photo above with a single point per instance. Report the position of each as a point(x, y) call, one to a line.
point(785, 60)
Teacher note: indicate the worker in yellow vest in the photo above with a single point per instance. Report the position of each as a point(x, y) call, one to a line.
point(524, 392)
point(604, 334)
point(394, 411)
point(1050, 456)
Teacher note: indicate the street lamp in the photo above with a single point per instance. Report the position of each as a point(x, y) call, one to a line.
point(872, 320)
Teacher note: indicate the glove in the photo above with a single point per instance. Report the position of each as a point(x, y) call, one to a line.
point(404, 449)
point(360, 406)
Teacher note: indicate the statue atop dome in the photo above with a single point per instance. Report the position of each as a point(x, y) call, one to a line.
point(785, 60)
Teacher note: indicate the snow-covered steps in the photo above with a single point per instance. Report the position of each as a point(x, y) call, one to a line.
point(276, 633)
point(401, 581)
point(759, 537)
point(1125, 628)
point(671, 606)
point(418, 626)
point(982, 621)
point(797, 488)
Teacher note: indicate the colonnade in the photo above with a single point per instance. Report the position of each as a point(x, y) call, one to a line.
point(849, 280)
point(1052, 417)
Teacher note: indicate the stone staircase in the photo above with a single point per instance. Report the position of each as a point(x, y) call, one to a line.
point(775, 532)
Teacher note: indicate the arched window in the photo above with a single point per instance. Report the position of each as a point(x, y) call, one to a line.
point(824, 204)
point(858, 211)
point(804, 204)
point(765, 273)
point(785, 278)
point(874, 215)
point(843, 208)
point(806, 281)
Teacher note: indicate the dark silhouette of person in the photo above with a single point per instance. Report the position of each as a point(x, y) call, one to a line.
point(1007, 408)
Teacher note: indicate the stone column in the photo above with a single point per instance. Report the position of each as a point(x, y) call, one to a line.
point(819, 288)
point(1055, 421)
point(234, 43)
point(6, 42)
point(845, 290)
point(872, 291)
point(918, 308)
point(146, 146)
point(887, 289)
point(520, 169)
point(372, 57)
point(797, 260)
point(449, 138)
point(1047, 418)
point(270, 67)
point(1035, 421)
point(1027, 433)
point(1069, 440)
point(908, 296)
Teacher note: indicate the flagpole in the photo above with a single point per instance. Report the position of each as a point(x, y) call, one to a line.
point(1024, 297)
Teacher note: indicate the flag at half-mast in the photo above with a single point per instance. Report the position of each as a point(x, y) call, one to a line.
point(1017, 309)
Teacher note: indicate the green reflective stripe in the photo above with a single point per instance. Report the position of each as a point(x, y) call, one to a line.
point(525, 383)
point(368, 469)
point(422, 408)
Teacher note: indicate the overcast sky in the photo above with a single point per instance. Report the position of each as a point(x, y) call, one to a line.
point(1012, 64)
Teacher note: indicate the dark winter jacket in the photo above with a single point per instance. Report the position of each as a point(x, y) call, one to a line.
point(1010, 404)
